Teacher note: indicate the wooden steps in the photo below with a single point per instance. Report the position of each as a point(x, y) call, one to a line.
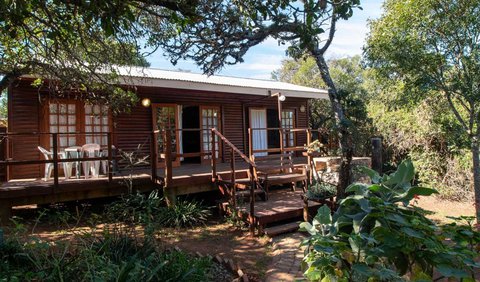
point(246, 193)
point(281, 213)
point(282, 229)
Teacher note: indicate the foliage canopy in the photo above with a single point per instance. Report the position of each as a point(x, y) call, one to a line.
point(433, 47)
point(377, 235)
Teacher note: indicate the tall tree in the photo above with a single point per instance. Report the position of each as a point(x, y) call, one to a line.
point(351, 81)
point(434, 45)
point(78, 44)
point(230, 28)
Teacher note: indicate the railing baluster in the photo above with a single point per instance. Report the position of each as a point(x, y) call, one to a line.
point(168, 158)
point(310, 163)
point(280, 132)
point(251, 215)
point(110, 157)
point(233, 178)
point(55, 159)
point(250, 142)
point(153, 155)
point(213, 159)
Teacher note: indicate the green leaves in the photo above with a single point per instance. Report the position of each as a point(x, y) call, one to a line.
point(403, 176)
point(373, 237)
point(323, 216)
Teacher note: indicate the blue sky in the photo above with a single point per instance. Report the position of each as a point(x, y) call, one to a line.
point(261, 60)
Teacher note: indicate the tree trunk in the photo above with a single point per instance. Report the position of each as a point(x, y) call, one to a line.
point(476, 177)
point(341, 121)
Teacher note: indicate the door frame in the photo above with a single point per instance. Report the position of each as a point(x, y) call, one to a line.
point(154, 106)
point(250, 126)
point(219, 128)
point(294, 125)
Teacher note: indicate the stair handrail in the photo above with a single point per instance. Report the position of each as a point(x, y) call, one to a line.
point(226, 141)
point(251, 164)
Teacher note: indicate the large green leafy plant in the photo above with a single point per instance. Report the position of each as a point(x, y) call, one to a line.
point(375, 235)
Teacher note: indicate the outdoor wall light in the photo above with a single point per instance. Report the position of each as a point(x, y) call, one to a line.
point(146, 102)
point(302, 108)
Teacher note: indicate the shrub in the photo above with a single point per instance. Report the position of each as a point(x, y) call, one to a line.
point(151, 211)
point(184, 214)
point(135, 208)
point(110, 258)
point(375, 235)
point(320, 190)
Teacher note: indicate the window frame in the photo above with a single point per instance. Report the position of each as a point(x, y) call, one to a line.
point(291, 135)
point(80, 118)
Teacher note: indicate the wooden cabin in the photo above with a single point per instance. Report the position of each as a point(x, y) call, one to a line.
point(186, 105)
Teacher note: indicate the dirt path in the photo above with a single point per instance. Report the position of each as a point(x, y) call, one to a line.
point(252, 254)
point(286, 258)
point(442, 208)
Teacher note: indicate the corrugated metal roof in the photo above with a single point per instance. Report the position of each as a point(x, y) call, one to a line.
point(216, 82)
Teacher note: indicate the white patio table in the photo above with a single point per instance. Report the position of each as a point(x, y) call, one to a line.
point(74, 152)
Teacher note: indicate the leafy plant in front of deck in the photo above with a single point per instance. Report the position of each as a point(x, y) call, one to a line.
point(110, 257)
point(151, 212)
point(184, 214)
point(375, 235)
point(129, 161)
point(320, 190)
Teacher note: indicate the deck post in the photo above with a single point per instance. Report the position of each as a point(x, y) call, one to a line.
point(110, 157)
point(55, 160)
point(251, 215)
point(169, 196)
point(309, 157)
point(280, 126)
point(153, 155)
point(213, 156)
point(233, 178)
point(250, 142)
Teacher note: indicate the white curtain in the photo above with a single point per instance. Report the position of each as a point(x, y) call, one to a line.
point(258, 119)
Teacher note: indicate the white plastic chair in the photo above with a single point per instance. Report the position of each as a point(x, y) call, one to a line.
point(48, 155)
point(93, 167)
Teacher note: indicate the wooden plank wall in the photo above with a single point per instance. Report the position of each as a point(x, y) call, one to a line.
point(231, 104)
point(25, 111)
point(23, 116)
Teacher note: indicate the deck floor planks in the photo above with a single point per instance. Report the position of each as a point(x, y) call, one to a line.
point(282, 204)
point(21, 190)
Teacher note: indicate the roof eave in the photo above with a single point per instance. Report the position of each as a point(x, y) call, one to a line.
point(200, 86)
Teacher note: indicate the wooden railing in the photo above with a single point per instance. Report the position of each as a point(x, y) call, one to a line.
point(251, 165)
point(6, 139)
point(284, 132)
point(169, 155)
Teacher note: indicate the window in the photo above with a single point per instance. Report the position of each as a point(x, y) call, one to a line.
point(71, 118)
point(63, 119)
point(96, 124)
point(288, 122)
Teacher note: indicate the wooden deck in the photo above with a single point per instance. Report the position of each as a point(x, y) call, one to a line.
point(187, 179)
